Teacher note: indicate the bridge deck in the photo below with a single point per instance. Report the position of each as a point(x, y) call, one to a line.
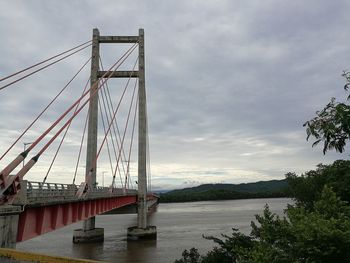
point(49, 206)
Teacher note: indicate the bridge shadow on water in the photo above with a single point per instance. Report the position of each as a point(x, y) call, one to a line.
point(116, 247)
point(128, 251)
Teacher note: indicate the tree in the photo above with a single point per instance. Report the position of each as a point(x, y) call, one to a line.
point(307, 188)
point(332, 124)
point(191, 256)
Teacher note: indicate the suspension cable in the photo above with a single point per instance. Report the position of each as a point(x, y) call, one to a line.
point(81, 145)
point(43, 111)
point(114, 115)
point(94, 87)
point(111, 135)
point(131, 142)
point(32, 162)
point(10, 167)
point(52, 63)
point(115, 127)
point(46, 60)
point(63, 137)
point(110, 110)
point(94, 93)
point(126, 127)
point(107, 118)
point(104, 128)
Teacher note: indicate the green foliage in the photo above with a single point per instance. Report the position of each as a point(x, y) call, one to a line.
point(231, 247)
point(191, 256)
point(315, 229)
point(307, 188)
point(332, 124)
point(322, 235)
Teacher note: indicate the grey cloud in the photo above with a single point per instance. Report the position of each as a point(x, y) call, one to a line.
point(229, 83)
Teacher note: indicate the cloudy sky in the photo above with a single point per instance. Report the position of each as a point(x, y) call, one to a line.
point(229, 83)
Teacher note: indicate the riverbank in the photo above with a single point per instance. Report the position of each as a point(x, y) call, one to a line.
point(218, 192)
point(217, 195)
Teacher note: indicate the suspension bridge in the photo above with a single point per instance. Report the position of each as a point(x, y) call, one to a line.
point(31, 208)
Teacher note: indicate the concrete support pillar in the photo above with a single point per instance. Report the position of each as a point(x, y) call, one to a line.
point(9, 216)
point(142, 149)
point(142, 231)
point(89, 233)
point(91, 150)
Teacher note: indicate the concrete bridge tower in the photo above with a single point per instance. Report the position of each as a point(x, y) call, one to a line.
point(89, 233)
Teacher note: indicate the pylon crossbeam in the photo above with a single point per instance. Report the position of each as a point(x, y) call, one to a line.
point(118, 74)
point(119, 39)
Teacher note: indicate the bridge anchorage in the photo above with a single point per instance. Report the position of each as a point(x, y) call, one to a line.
point(29, 209)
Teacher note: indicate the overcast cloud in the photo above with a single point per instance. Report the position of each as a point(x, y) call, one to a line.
point(229, 83)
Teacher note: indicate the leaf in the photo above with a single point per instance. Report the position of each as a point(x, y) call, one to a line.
point(316, 142)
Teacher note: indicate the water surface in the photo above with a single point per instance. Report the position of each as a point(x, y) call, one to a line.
point(180, 226)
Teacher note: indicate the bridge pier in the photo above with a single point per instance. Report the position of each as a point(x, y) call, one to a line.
point(136, 233)
point(88, 236)
point(9, 216)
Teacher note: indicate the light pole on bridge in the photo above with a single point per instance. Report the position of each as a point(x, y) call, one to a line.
point(25, 146)
point(103, 178)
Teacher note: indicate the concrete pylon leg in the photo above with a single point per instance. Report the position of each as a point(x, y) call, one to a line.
point(89, 224)
point(142, 231)
point(89, 233)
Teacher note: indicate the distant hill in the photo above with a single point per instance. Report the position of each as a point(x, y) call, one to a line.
point(261, 189)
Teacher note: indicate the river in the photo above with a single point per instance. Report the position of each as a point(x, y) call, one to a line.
point(180, 226)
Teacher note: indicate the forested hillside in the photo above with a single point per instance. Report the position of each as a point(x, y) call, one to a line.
point(262, 189)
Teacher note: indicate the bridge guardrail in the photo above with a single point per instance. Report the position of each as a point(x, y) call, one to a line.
point(37, 193)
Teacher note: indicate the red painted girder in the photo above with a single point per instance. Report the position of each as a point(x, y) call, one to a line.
point(35, 221)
